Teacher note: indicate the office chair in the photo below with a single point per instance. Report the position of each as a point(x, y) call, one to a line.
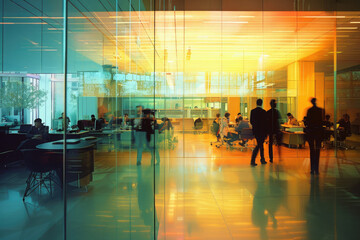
point(4, 129)
point(41, 171)
point(341, 140)
point(24, 128)
point(198, 125)
point(247, 136)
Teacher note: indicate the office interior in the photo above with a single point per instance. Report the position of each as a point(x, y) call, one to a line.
point(186, 61)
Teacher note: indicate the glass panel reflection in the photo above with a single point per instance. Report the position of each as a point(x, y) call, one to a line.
point(157, 119)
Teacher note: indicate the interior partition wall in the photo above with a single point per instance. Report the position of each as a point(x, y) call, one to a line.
point(184, 60)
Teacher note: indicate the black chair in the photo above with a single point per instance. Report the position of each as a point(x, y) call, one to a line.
point(4, 129)
point(198, 125)
point(246, 136)
point(24, 128)
point(41, 171)
point(341, 140)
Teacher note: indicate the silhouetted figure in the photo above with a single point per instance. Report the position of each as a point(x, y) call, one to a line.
point(145, 131)
point(224, 125)
point(292, 120)
point(273, 117)
point(67, 121)
point(165, 125)
point(125, 123)
point(328, 128)
point(36, 135)
point(327, 122)
point(314, 131)
point(238, 129)
point(216, 124)
point(93, 118)
point(258, 122)
point(237, 119)
point(139, 134)
point(344, 125)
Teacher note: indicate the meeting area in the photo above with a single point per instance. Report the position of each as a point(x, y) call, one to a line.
point(179, 119)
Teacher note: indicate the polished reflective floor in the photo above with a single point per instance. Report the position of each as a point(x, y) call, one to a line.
point(201, 192)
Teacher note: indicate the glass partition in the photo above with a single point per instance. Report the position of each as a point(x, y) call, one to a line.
point(154, 101)
point(31, 169)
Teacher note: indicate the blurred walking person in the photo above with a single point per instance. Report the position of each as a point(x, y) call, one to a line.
point(315, 132)
point(273, 117)
point(258, 122)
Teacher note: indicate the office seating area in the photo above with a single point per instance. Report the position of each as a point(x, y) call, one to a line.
point(169, 120)
point(230, 176)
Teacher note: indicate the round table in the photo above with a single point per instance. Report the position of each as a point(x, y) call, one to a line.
point(80, 159)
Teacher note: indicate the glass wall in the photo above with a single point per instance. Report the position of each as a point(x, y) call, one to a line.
point(129, 93)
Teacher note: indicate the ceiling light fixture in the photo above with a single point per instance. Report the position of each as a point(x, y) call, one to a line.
point(223, 22)
point(347, 28)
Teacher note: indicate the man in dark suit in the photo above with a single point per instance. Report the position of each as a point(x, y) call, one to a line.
point(314, 131)
point(273, 117)
point(36, 135)
point(258, 122)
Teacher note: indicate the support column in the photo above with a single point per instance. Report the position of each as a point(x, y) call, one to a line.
point(233, 107)
point(301, 86)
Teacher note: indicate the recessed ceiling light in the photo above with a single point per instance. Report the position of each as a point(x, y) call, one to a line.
point(223, 22)
point(322, 16)
point(347, 28)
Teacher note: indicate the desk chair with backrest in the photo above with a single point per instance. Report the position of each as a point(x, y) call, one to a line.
point(25, 128)
point(198, 125)
point(341, 139)
point(41, 171)
point(4, 129)
point(247, 135)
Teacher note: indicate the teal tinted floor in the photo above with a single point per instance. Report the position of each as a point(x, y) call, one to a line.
point(199, 192)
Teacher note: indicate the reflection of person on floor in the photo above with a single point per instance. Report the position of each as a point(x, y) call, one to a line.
point(146, 198)
point(264, 203)
point(318, 216)
point(36, 135)
point(274, 117)
point(314, 132)
point(145, 136)
point(258, 122)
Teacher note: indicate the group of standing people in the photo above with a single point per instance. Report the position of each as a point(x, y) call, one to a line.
point(265, 123)
point(268, 123)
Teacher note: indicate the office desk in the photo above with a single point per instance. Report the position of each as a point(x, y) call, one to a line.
point(58, 135)
point(80, 160)
point(293, 139)
point(123, 137)
point(11, 140)
point(290, 128)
